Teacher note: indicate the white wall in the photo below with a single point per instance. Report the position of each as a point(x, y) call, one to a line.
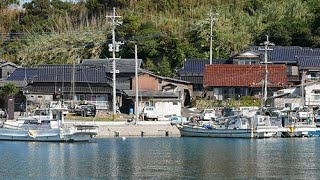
point(312, 97)
point(281, 102)
point(168, 108)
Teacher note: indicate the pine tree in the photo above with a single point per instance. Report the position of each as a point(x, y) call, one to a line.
point(165, 68)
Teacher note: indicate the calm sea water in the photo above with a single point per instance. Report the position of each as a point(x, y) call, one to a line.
point(162, 158)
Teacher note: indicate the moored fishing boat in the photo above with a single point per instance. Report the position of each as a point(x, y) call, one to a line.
point(257, 126)
point(46, 125)
point(296, 123)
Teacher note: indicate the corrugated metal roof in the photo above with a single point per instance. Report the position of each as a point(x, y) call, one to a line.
point(154, 94)
point(197, 65)
point(233, 75)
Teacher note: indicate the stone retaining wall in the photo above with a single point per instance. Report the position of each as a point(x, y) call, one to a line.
point(125, 130)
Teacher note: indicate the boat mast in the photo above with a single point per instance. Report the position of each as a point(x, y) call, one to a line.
point(137, 85)
point(265, 82)
point(72, 83)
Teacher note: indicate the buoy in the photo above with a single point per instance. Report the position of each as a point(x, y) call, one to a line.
point(123, 138)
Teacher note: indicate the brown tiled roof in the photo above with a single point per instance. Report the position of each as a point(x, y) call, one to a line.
point(244, 75)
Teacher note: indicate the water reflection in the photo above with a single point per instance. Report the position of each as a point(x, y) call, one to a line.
point(165, 158)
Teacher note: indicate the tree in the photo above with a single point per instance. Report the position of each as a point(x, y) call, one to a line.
point(149, 65)
point(9, 89)
point(6, 3)
point(165, 68)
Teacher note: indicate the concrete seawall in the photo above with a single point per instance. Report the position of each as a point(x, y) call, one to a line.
point(143, 128)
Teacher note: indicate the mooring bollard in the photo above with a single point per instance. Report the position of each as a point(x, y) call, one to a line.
point(142, 133)
point(167, 133)
point(116, 134)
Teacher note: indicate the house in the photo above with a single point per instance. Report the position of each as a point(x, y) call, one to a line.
point(288, 98)
point(79, 83)
point(302, 64)
point(309, 68)
point(295, 58)
point(233, 80)
point(91, 82)
point(162, 92)
point(6, 68)
point(193, 70)
point(295, 97)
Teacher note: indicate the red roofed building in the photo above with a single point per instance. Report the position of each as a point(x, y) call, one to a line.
point(233, 80)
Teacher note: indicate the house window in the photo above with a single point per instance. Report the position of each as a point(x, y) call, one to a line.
point(79, 97)
point(149, 103)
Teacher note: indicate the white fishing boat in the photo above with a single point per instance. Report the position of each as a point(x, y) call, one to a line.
point(257, 126)
point(46, 125)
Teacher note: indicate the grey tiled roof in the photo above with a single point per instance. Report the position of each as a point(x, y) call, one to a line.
point(22, 74)
point(63, 73)
point(287, 53)
point(197, 65)
point(154, 94)
point(193, 79)
point(309, 61)
point(123, 65)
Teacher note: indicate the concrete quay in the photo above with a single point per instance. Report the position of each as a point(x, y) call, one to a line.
point(141, 129)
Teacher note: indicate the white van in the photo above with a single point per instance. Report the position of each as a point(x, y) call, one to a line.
point(150, 113)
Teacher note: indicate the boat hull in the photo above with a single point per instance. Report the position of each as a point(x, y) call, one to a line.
point(190, 131)
point(299, 131)
point(48, 135)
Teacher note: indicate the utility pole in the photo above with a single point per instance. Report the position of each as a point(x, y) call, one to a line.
point(137, 85)
point(265, 83)
point(211, 29)
point(114, 47)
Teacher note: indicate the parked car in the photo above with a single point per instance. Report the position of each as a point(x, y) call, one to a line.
point(178, 120)
point(85, 110)
point(207, 114)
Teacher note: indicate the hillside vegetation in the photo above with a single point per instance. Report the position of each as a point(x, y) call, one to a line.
point(166, 31)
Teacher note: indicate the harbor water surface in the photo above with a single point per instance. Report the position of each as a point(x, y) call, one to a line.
point(162, 158)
